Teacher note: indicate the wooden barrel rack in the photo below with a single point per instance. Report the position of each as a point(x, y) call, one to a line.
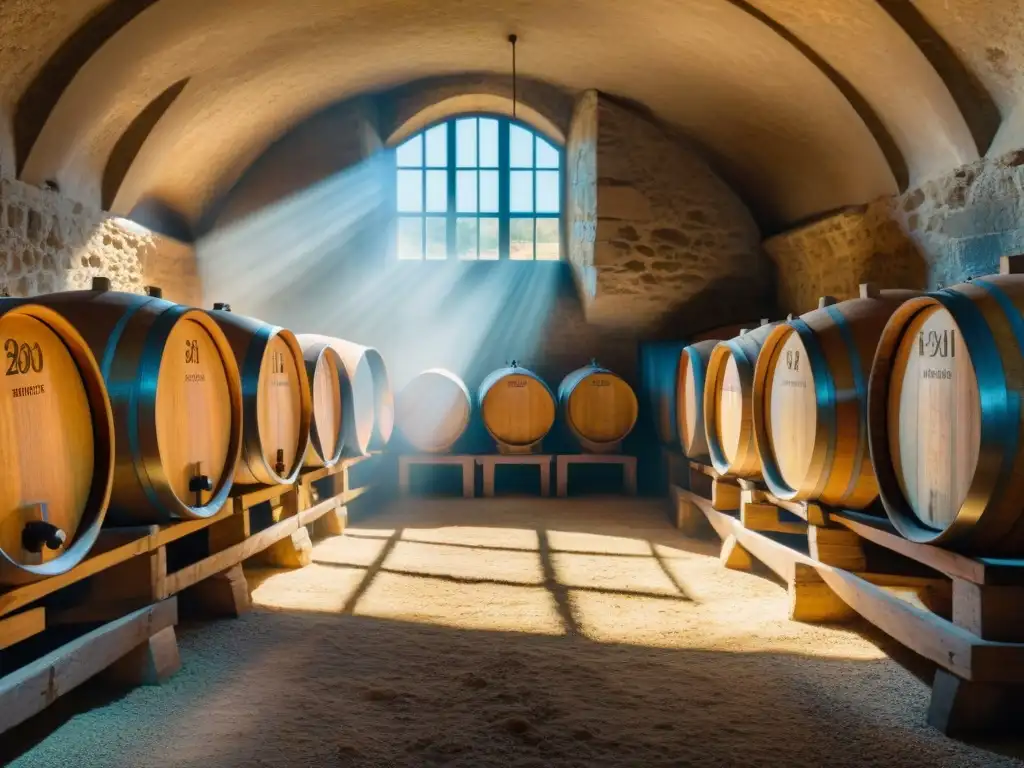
point(961, 612)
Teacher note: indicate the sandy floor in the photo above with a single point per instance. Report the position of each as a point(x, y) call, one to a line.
point(510, 633)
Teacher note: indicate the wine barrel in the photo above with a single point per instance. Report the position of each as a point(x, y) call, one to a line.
point(945, 418)
point(328, 383)
point(728, 409)
point(276, 401)
point(692, 375)
point(56, 445)
point(598, 407)
point(810, 400)
point(432, 410)
point(369, 408)
point(175, 397)
point(517, 408)
point(660, 383)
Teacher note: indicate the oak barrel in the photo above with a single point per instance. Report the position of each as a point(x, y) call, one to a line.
point(945, 418)
point(433, 409)
point(810, 400)
point(598, 407)
point(728, 403)
point(369, 411)
point(175, 396)
point(56, 445)
point(328, 384)
point(659, 376)
point(693, 364)
point(276, 401)
point(517, 408)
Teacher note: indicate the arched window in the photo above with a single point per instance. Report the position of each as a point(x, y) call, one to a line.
point(479, 188)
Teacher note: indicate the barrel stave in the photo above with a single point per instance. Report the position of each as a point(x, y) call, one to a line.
point(519, 421)
point(690, 398)
point(598, 422)
point(987, 314)
point(61, 486)
point(438, 392)
point(268, 358)
point(733, 360)
point(328, 380)
point(128, 335)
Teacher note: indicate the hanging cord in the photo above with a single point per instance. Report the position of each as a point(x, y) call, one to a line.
point(513, 39)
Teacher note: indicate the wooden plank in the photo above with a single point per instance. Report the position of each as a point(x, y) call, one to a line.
point(22, 625)
point(810, 511)
point(233, 555)
point(29, 690)
point(221, 561)
point(246, 498)
point(981, 570)
point(838, 547)
point(765, 517)
point(21, 596)
point(720, 522)
point(990, 611)
point(725, 495)
point(951, 647)
point(704, 469)
point(307, 516)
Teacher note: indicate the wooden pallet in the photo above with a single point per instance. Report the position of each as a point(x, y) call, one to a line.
point(628, 464)
point(130, 581)
point(489, 463)
point(467, 463)
point(965, 616)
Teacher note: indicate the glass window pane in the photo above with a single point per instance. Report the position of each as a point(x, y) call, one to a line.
point(547, 155)
point(520, 198)
point(488, 191)
point(411, 152)
point(410, 237)
point(465, 191)
point(437, 191)
point(520, 246)
point(488, 143)
point(465, 142)
point(520, 147)
point(488, 239)
point(437, 237)
point(548, 193)
point(465, 238)
point(410, 191)
point(437, 146)
point(547, 240)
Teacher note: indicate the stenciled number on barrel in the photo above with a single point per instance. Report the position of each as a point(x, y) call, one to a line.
point(24, 358)
point(793, 359)
point(936, 344)
point(277, 362)
point(192, 351)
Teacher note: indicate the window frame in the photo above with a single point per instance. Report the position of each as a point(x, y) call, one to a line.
point(504, 214)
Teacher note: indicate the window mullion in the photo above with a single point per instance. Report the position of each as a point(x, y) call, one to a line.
point(451, 230)
point(504, 183)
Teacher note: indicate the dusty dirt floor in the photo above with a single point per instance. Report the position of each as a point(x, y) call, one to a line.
point(514, 633)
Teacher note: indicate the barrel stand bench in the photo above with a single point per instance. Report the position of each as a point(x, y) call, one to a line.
point(962, 613)
point(490, 463)
point(134, 579)
point(628, 464)
point(467, 463)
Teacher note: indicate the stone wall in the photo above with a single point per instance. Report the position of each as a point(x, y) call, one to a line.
point(675, 250)
point(964, 221)
point(936, 234)
point(832, 256)
point(49, 243)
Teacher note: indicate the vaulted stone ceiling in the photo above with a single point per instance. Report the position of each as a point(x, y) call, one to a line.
point(805, 105)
